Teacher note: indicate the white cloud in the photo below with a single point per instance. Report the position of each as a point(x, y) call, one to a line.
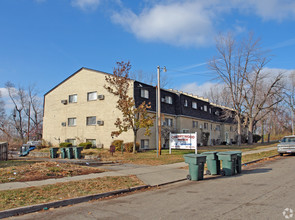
point(86, 5)
point(197, 89)
point(195, 22)
point(269, 9)
point(188, 23)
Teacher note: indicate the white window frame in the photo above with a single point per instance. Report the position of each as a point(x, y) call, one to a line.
point(168, 100)
point(71, 140)
point(72, 122)
point(91, 96)
point(194, 105)
point(73, 98)
point(93, 120)
point(205, 108)
point(195, 124)
point(93, 141)
point(144, 93)
point(169, 122)
point(185, 131)
point(185, 103)
point(144, 143)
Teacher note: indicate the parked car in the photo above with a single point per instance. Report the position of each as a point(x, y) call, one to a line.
point(287, 145)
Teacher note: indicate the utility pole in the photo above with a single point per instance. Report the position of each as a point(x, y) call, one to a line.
point(29, 118)
point(159, 110)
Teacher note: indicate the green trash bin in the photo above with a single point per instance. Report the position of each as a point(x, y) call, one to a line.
point(63, 153)
point(196, 166)
point(213, 164)
point(77, 152)
point(228, 163)
point(238, 161)
point(69, 151)
point(53, 152)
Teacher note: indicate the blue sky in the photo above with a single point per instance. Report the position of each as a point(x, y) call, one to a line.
point(42, 42)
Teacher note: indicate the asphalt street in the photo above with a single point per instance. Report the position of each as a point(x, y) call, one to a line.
point(262, 191)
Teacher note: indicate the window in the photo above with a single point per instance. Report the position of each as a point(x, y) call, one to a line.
point(195, 124)
point(217, 128)
point(185, 130)
point(92, 141)
point(145, 93)
point(168, 99)
point(210, 110)
point(144, 144)
point(217, 113)
point(73, 141)
point(231, 128)
point(73, 98)
point(205, 108)
point(194, 105)
point(211, 127)
point(72, 122)
point(169, 122)
point(91, 120)
point(206, 126)
point(91, 96)
point(185, 103)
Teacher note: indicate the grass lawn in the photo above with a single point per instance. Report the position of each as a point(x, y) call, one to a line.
point(150, 157)
point(20, 171)
point(60, 191)
point(256, 156)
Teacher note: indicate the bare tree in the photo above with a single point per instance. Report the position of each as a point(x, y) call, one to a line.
point(290, 97)
point(261, 93)
point(19, 100)
point(150, 78)
point(3, 118)
point(219, 95)
point(231, 65)
point(36, 112)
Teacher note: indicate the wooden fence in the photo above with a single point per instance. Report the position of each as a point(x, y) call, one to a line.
point(3, 151)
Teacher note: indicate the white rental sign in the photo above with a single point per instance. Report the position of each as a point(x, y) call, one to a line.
point(187, 141)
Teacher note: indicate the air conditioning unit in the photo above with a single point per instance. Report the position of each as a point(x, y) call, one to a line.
point(100, 123)
point(64, 101)
point(100, 97)
point(63, 124)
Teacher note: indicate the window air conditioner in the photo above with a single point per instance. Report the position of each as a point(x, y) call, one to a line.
point(63, 124)
point(100, 97)
point(64, 101)
point(100, 122)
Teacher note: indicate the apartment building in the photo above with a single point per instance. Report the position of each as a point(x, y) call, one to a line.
point(80, 109)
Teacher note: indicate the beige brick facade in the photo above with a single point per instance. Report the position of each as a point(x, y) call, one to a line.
point(67, 106)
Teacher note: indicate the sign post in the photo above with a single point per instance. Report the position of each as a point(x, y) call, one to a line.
point(185, 141)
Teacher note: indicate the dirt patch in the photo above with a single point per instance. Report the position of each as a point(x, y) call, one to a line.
point(42, 171)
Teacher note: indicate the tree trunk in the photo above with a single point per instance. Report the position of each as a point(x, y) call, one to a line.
point(250, 131)
point(268, 137)
point(239, 131)
point(134, 141)
point(262, 131)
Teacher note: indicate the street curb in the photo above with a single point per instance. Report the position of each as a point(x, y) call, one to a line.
point(255, 161)
point(56, 204)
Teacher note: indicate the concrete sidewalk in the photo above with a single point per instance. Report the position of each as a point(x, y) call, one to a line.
point(150, 175)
